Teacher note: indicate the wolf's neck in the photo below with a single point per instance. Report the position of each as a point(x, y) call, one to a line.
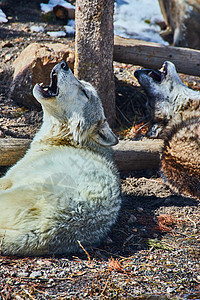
point(192, 94)
point(52, 131)
point(55, 133)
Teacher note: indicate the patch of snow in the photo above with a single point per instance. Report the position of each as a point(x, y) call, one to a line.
point(69, 29)
point(56, 33)
point(137, 19)
point(3, 18)
point(49, 7)
point(35, 28)
point(71, 22)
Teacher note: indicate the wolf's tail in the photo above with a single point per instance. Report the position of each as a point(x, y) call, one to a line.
point(180, 160)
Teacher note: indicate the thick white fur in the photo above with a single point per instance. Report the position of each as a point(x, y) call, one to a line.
point(66, 187)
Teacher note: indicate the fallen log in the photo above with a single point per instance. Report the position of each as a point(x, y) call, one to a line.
point(138, 155)
point(128, 155)
point(152, 55)
point(11, 150)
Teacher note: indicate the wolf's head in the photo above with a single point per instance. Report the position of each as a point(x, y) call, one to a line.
point(159, 84)
point(74, 105)
point(168, 96)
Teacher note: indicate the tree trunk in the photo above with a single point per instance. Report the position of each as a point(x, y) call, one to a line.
point(94, 49)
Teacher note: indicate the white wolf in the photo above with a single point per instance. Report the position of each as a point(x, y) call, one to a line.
point(66, 188)
point(169, 98)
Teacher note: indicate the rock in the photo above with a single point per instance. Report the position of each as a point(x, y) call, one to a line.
point(61, 13)
point(132, 219)
point(183, 16)
point(34, 65)
point(170, 290)
point(35, 274)
point(23, 274)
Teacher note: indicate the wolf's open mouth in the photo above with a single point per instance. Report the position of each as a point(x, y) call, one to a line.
point(157, 75)
point(52, 89)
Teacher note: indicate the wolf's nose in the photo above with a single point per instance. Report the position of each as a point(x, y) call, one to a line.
point(64, 65)
point(136, 74)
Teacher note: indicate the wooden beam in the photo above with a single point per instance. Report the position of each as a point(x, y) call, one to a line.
point(152, 55)
point(138, 155)
point(128, 155)
point(12, 149)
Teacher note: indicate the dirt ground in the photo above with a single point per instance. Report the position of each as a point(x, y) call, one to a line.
point(153, 250)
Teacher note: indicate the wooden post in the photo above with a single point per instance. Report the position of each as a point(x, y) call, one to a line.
point(94, 49)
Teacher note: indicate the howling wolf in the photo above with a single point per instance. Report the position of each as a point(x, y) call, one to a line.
point(176, 118)
point(66, 188)
point(169, 98)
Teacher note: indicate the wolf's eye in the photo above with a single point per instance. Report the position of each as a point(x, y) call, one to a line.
point(84, 92)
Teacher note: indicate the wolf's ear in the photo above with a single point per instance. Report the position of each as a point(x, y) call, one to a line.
point(103, 134)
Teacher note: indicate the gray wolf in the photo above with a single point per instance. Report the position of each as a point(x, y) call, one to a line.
point(66, 188)
point(176, 119)
point(168, 97)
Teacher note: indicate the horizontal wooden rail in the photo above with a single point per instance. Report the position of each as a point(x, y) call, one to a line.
point(128, 155)
point(152, 55)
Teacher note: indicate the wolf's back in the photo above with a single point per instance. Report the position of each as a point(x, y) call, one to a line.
point(180, 161)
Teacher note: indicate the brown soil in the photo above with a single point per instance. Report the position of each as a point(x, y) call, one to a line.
point(153, 250)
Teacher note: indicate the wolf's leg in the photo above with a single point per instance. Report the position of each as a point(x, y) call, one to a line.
point(5, 184)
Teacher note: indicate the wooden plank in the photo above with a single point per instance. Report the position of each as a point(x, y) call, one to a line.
point(152, 55)
point(128, 155)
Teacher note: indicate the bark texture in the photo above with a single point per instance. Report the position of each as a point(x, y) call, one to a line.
point(153, 55)
point(94, 49)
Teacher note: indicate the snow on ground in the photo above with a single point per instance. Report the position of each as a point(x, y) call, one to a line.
point(49, 7)
point(70, 27)
point(56, 34)
point(137, 19)
point(36, 28)
point(3, 18)
point(132, 18)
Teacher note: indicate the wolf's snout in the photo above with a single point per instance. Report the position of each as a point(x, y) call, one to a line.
point(136, 74)
point(64, 65)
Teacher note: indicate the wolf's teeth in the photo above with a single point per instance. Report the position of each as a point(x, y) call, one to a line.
point(45, 89)
point(149, 74)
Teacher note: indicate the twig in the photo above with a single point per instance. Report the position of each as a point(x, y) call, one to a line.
point(147, 123)
point(124, 116)
point(104, 287)
point(27, 293)
point(195, 225)
point(88, 256)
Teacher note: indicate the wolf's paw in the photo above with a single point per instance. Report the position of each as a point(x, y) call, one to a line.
point(5, 184)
